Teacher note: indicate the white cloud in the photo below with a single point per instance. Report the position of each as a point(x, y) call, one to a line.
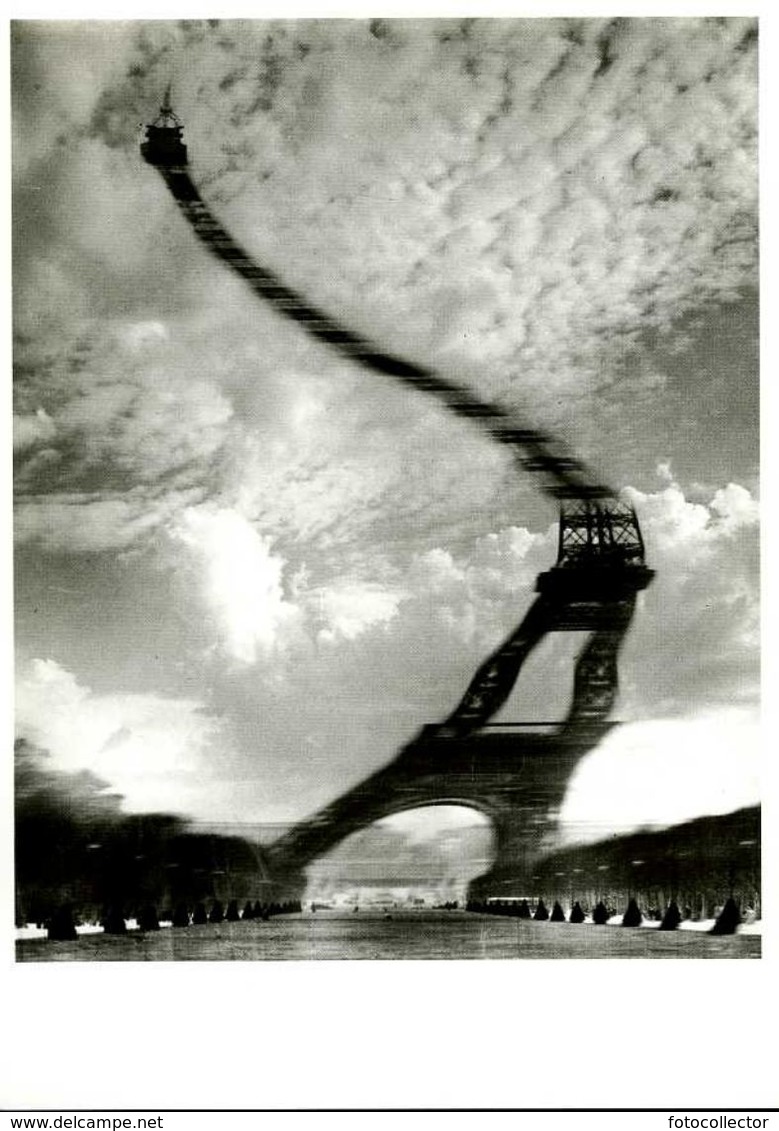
point(694, 640)
point(477, 596)
point(735, 508)
point(350, 608)
point(158, 752)
point(664, 772)
point(437, 571)
point(678, 527)
point(242, 582)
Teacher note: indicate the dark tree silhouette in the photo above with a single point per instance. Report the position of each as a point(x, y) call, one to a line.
point(62, 928)
point(672, 917)
point(199, 917)
point(147, 919)
point(248, 911)
point(524, 910)
point(728, 919)
point(632, 916)
point(181, 916)
point(541, 914)
point(558, 915)
point(577, 915)
point(217, 912)
point(114, 922)
point(600, 914)
point(233, 914)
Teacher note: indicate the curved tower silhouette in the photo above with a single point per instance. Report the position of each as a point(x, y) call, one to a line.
point(518, 779)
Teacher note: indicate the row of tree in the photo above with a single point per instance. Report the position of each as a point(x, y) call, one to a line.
point(697, 865)
point(62, 925)
point(727, 922)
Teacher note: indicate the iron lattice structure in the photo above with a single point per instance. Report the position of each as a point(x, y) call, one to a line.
point(599, 534)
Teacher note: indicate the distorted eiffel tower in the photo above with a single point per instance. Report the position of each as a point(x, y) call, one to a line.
point(516, 774)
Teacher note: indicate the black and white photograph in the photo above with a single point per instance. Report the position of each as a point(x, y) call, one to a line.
point(386, 479)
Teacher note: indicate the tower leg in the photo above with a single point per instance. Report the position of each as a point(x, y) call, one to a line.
point(518, 844)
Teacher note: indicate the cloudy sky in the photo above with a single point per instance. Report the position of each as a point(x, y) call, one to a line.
point(247, 571)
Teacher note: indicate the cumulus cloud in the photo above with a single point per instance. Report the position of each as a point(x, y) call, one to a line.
point(243, 582)
point(475, 597)
point(156, 751)
point(696, 640)
point(665, 772)
point(348, 609)
point(678, 526)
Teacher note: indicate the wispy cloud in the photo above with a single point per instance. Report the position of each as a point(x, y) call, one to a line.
point(501, 203)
